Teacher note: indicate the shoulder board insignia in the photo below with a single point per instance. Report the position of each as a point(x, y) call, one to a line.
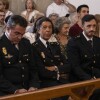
point(78, 36)
point(35, 43)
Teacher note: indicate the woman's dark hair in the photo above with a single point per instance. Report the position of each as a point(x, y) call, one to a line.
point(35, 25)
point(38, 24)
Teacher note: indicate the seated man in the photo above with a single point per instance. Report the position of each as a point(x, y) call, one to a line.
point(84, 52)
point(17, 60)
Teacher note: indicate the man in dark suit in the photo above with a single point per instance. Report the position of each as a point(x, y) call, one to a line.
point(84, 52)
point(83, 55)
point(53, 67)
point(17, 63)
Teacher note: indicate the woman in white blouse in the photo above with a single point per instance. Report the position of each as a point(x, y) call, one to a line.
point(30, 11)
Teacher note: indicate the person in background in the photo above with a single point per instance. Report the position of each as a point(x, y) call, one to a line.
point(76, 29)
point(2, 24)
point(6, 9)
point(97, 16)
point(2, 4)
point(73, 17)
point(29, 29)
point(60, 7)
point(30, 11)
point(53, 17)
point(30, 14)
point(18, 70)
point(62, 26)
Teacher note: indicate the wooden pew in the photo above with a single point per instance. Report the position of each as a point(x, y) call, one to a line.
point(78, 91)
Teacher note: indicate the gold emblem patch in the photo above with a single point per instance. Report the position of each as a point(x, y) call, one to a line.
point(4, 50)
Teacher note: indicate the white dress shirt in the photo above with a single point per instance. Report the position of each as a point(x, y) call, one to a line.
point(61, 9)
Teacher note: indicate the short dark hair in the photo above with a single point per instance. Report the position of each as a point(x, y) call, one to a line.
point(81, 6)
point(16, 20)
point(88, 18)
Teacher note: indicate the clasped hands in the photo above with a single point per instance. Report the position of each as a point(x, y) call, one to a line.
point(51, 68)
point(19, 91)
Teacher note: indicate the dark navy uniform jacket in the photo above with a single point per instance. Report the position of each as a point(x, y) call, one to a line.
point(17, 67)
point(52, 57)
point(84, 58)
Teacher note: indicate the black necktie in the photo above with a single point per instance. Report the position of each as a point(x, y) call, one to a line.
point(16, 46)
point(48, 45)
point(91, 43)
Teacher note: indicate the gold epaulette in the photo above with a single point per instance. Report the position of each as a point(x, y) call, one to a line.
point(35, 43)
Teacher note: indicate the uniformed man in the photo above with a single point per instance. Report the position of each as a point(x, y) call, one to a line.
point(17, 64)
point(53, 67)
point(84, 52)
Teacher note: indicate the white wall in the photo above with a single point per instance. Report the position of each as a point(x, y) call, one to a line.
point(18, 5)
point(94, 5)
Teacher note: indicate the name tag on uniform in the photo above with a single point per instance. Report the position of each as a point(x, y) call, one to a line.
point(25, 55)
point(9, 56)
point(56, 56)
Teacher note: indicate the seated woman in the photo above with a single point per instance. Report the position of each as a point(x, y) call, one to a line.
point(30, 11)
point(62, 26)
point(6, 9)
point(30, 14)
